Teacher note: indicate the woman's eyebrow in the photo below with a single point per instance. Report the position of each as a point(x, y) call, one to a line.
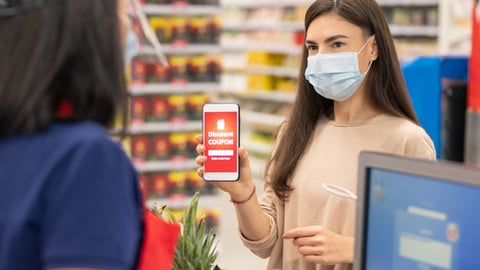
point(327, 40)
point(333, 38)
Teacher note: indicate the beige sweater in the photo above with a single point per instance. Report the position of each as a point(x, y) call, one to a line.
point(331, 157)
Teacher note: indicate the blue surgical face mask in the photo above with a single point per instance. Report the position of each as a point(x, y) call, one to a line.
point(132, 44)
point(335, 76)
point(139, 34)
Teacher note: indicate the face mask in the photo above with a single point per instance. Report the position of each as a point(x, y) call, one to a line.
point(139, 34)
point(335, 76)
point(132, 44)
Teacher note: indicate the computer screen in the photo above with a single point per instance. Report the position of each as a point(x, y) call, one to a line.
point(417, 214)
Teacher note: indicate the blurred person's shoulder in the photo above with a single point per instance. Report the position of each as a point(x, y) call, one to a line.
point(59, 134)
point(77, 132)
point(81, 134)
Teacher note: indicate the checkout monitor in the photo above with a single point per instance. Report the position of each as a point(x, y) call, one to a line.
point(416, 214)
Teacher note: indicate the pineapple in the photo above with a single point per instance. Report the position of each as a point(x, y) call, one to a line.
point(196, 248)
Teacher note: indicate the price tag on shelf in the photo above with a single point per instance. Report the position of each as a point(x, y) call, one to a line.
point(135, 123)
point(178, 162)
point(180, 4)
point(179, 83)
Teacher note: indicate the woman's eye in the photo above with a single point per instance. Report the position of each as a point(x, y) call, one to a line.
point(338, 44)
point(312, 48)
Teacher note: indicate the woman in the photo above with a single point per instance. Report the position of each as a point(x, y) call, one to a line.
point(351, 97)
point(69, 196)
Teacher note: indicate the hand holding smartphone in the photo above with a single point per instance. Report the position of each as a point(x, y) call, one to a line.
point(221, 137)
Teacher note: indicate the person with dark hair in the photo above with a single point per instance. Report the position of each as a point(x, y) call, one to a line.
point(351, 97)
point(69, 196)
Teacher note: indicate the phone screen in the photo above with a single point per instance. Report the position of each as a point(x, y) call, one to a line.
point(220, 137)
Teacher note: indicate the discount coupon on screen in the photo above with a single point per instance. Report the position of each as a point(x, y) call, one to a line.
point(220, 141)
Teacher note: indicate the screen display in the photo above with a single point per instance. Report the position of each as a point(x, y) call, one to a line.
point(420, 223)
point(221, 140)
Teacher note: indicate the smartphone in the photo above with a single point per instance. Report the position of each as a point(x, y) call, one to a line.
point(221, 137)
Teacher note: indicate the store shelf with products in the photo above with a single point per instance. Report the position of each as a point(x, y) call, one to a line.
point(262, 25)
point(429, 27)
point(414, 24)
point(166, 165)
point(264, 3)
point(166, 101)
point(168, 88)
point(164, 127)
point(262, 45)
point(258, 167)
point(181, 8)
point(192, 49)
point(270, 48)
point(269, 96)
point(408, 3)
point(268, 121)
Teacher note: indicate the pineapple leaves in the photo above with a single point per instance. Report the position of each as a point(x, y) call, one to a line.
point(196, 248)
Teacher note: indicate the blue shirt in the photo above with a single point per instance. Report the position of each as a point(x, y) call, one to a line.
point(69, 197)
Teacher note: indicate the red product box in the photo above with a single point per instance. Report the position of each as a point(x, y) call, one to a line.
point(139, 70)
point(139, 148)
point(139, 109)
point(161, 147)
point(160, 109)
point(158, 73)
point(159, 185)
point(299, 38)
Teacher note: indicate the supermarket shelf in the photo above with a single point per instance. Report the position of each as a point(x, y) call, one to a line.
point(180, 202)
point(165, 127)
point(269, 96)
point(167, 165)
point(408, 2)
point(414, 30)
point(274, 71)
point(258, 167)
point(185, 49)
point(288, 3)
point(270, 48)
point(260, 4)
point(181, 10)
point(265, 119)
point(258, 147)
point(172, 88)
point(258, 26)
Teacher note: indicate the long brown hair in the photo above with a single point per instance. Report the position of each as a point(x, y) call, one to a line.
point(384, 84)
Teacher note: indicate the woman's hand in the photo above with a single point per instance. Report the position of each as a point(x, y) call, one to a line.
point(319, 245)
point(238, 190)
